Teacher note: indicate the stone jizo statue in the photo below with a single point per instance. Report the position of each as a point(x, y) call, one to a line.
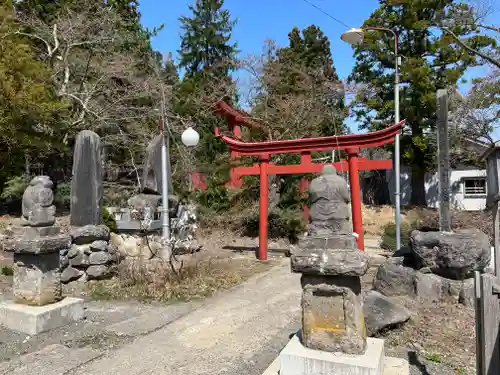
point(329, 196)
point(37, 207)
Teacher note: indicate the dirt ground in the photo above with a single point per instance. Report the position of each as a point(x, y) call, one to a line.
point(440, 334)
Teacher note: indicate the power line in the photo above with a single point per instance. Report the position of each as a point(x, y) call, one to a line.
point(326, 13)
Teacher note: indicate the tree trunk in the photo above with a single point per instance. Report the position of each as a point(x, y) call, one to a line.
point(418, 186)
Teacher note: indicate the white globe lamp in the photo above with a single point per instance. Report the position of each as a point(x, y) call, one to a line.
point(190, 137)
point(354, 36)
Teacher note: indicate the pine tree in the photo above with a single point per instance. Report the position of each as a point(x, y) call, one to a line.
point(206, 43)
point(208, 56)
point(430, 60)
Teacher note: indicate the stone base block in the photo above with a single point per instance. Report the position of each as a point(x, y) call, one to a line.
point(296, 359)
point(36, 319)
point(392, 366)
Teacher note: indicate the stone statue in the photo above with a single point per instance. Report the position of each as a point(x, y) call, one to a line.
point(329, 197)
point(331, 267)
point(37, 207)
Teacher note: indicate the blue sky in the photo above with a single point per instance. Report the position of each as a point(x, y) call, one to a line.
point(259, 20)
point(262, 19)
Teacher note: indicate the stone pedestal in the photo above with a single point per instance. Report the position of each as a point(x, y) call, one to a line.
point(33, 320)
point(38, 304)
point(296, 359)
point(332, 308)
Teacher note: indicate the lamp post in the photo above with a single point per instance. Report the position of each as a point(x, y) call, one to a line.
point(190, 138)
point(355, 37)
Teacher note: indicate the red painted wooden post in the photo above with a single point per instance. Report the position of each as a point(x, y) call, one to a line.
point(305, 160)
point(234, 178)
point(263, 207)
point(357, 216)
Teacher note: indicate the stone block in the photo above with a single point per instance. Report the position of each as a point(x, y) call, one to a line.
point(37, 279)
point(99, 258)
point(89, 233)
point(331, 262)
point(36, 319)
point(70, 274)
point(332, 314)
point(38, 245)
point(296, 359)
point(33, 232)
point(99, 272)
point(328, 242)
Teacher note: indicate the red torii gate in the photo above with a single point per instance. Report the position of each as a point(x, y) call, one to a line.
point(351, 143)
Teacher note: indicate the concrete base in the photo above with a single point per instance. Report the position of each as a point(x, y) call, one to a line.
point(302, 361)
point(296, 359)
point(36, 319)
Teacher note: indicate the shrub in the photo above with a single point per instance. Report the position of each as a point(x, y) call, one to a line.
point(15, 187)
point(108, 220)
point(215, 198)
point(7, 271)
point(282, 224)
point(62, 197)
point(389, 235)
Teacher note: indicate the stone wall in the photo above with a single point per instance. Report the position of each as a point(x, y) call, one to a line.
point(90, 257)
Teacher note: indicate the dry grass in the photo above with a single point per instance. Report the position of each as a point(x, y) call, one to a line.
point(375, 218)
point(155, 281)
point(441, 332)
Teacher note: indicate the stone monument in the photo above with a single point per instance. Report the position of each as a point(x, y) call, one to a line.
point(38, 304)
point(333, 337)
point(86, 183)
point(91, 256)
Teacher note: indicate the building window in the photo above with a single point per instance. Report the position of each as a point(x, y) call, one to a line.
point(474, 187)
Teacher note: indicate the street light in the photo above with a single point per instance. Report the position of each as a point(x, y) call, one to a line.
point(190, 137)
point(355, 37)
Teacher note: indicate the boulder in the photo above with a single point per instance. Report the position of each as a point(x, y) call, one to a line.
point(430, 287)
point(73, 251)
point(451, 255)
point(89, 233)
point(81, 260)
point(395, 278)
point(98, 246)
point(466, 295)
point(70, 274)
point(99, 258)
point(98, 272)
point(382, 313)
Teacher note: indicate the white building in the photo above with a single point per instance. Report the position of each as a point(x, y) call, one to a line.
point(467, 188)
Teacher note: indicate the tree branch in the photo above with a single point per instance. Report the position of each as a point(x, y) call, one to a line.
point(470, 49)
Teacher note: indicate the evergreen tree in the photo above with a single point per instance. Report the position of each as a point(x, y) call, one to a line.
point(430, 60)
point(206, 43)
point(30, 110)
point(311, 53)
point(300, 94)
point(170, 74)
point(208, 56)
